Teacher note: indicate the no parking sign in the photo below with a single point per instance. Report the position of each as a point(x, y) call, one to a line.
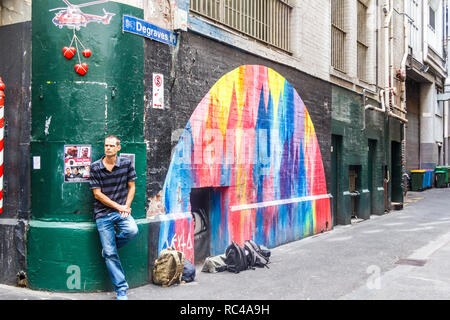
point(158, 91)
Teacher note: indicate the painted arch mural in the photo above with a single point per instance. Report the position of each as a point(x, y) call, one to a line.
point(252, 143)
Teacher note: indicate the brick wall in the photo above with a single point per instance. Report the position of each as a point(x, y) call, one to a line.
point(15, 71)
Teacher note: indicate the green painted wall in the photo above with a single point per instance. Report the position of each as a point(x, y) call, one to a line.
point(64, 256)
point(68, 108)
point(348, 122)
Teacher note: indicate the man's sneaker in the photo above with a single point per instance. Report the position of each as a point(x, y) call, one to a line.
point(122, 295)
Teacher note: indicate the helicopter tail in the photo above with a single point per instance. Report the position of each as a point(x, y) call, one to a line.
point(107, 17)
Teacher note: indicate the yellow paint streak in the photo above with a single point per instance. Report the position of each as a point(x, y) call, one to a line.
point(222, 93)
point(276, 87)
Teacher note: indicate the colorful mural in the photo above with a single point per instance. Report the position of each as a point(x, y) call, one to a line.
point(251, 141)
point(177, 231)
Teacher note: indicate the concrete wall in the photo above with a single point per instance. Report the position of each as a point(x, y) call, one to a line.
point(72, 109)
point(355, 128)
point(15, 71)
point(14, 11)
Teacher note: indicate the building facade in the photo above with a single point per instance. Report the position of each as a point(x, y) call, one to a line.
point(426, 75)
point(267, 120)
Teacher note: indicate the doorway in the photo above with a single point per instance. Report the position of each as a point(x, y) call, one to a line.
point(200, 208)
point(354, 187)
point(396, 180)
point(336, 162)
point(371, 173)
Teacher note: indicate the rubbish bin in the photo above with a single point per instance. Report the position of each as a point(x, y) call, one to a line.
point(417, 177)
point(448, 171)
point(428, 178)
point(441, 177)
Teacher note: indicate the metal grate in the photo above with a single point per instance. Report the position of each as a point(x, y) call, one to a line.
point(362, 41)
point(265, 20)
point(338, 34)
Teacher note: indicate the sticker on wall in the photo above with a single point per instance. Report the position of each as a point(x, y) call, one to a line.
point(37, 163)
point(73, 18)
point(77, 160)
point(158, 91)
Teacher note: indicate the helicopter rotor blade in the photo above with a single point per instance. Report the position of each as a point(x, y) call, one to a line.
point(68, 3)
point(57, 9)
point(91, 3)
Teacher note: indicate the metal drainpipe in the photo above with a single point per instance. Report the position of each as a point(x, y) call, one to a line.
point(376, 47)
point(364, 109)
point(386, 26)
point(391, 53)
point(403, 70)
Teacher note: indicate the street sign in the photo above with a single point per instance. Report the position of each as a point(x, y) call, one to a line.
point(145, 29)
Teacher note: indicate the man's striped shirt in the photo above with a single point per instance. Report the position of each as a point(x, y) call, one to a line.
point(113, 184)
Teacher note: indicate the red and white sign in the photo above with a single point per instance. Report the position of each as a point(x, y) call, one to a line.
point(158, 91)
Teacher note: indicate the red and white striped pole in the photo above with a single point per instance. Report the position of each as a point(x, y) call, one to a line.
point(2, 130)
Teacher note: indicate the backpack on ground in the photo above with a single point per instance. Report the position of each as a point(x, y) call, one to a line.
point(255, 256)
point(215, 264)
point(236, 258)
point(168, 268)
point(188, 272)
point(264, 251)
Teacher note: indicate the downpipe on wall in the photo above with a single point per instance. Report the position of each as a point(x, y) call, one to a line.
point(405, 176)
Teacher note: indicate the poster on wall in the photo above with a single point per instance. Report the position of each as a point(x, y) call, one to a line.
point(77, 160)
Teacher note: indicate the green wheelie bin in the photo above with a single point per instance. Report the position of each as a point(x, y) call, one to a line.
point(441, 177)
point(417, 177)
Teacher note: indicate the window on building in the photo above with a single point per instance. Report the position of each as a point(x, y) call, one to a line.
point(338, 34)
point(362, 43)
point(440, 108)
point(265, 20)
point(432, 18)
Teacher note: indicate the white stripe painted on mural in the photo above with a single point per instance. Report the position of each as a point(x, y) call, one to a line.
point(278, 202)
point(11, 221)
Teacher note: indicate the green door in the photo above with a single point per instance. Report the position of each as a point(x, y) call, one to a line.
point(371, 173)
point(396, 180)
point(336, 147)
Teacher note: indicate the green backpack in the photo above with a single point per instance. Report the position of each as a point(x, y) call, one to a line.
point(168, 268)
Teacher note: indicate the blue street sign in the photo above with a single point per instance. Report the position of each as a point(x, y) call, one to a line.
point(148, 30)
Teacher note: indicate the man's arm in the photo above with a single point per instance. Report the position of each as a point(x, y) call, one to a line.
point(131, 192)
point(100, 196)
point(130, 196)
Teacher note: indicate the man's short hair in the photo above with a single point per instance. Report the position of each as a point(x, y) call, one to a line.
point(114, 137)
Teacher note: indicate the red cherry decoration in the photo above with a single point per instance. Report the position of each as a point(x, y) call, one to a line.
point(81, 68)
point(69, 52)
point(87, 53)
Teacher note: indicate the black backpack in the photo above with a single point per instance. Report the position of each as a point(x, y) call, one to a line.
point(188, 272)
point(257, 257)
point(236, 259)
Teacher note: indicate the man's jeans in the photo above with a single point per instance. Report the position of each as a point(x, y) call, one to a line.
point(111, 241)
